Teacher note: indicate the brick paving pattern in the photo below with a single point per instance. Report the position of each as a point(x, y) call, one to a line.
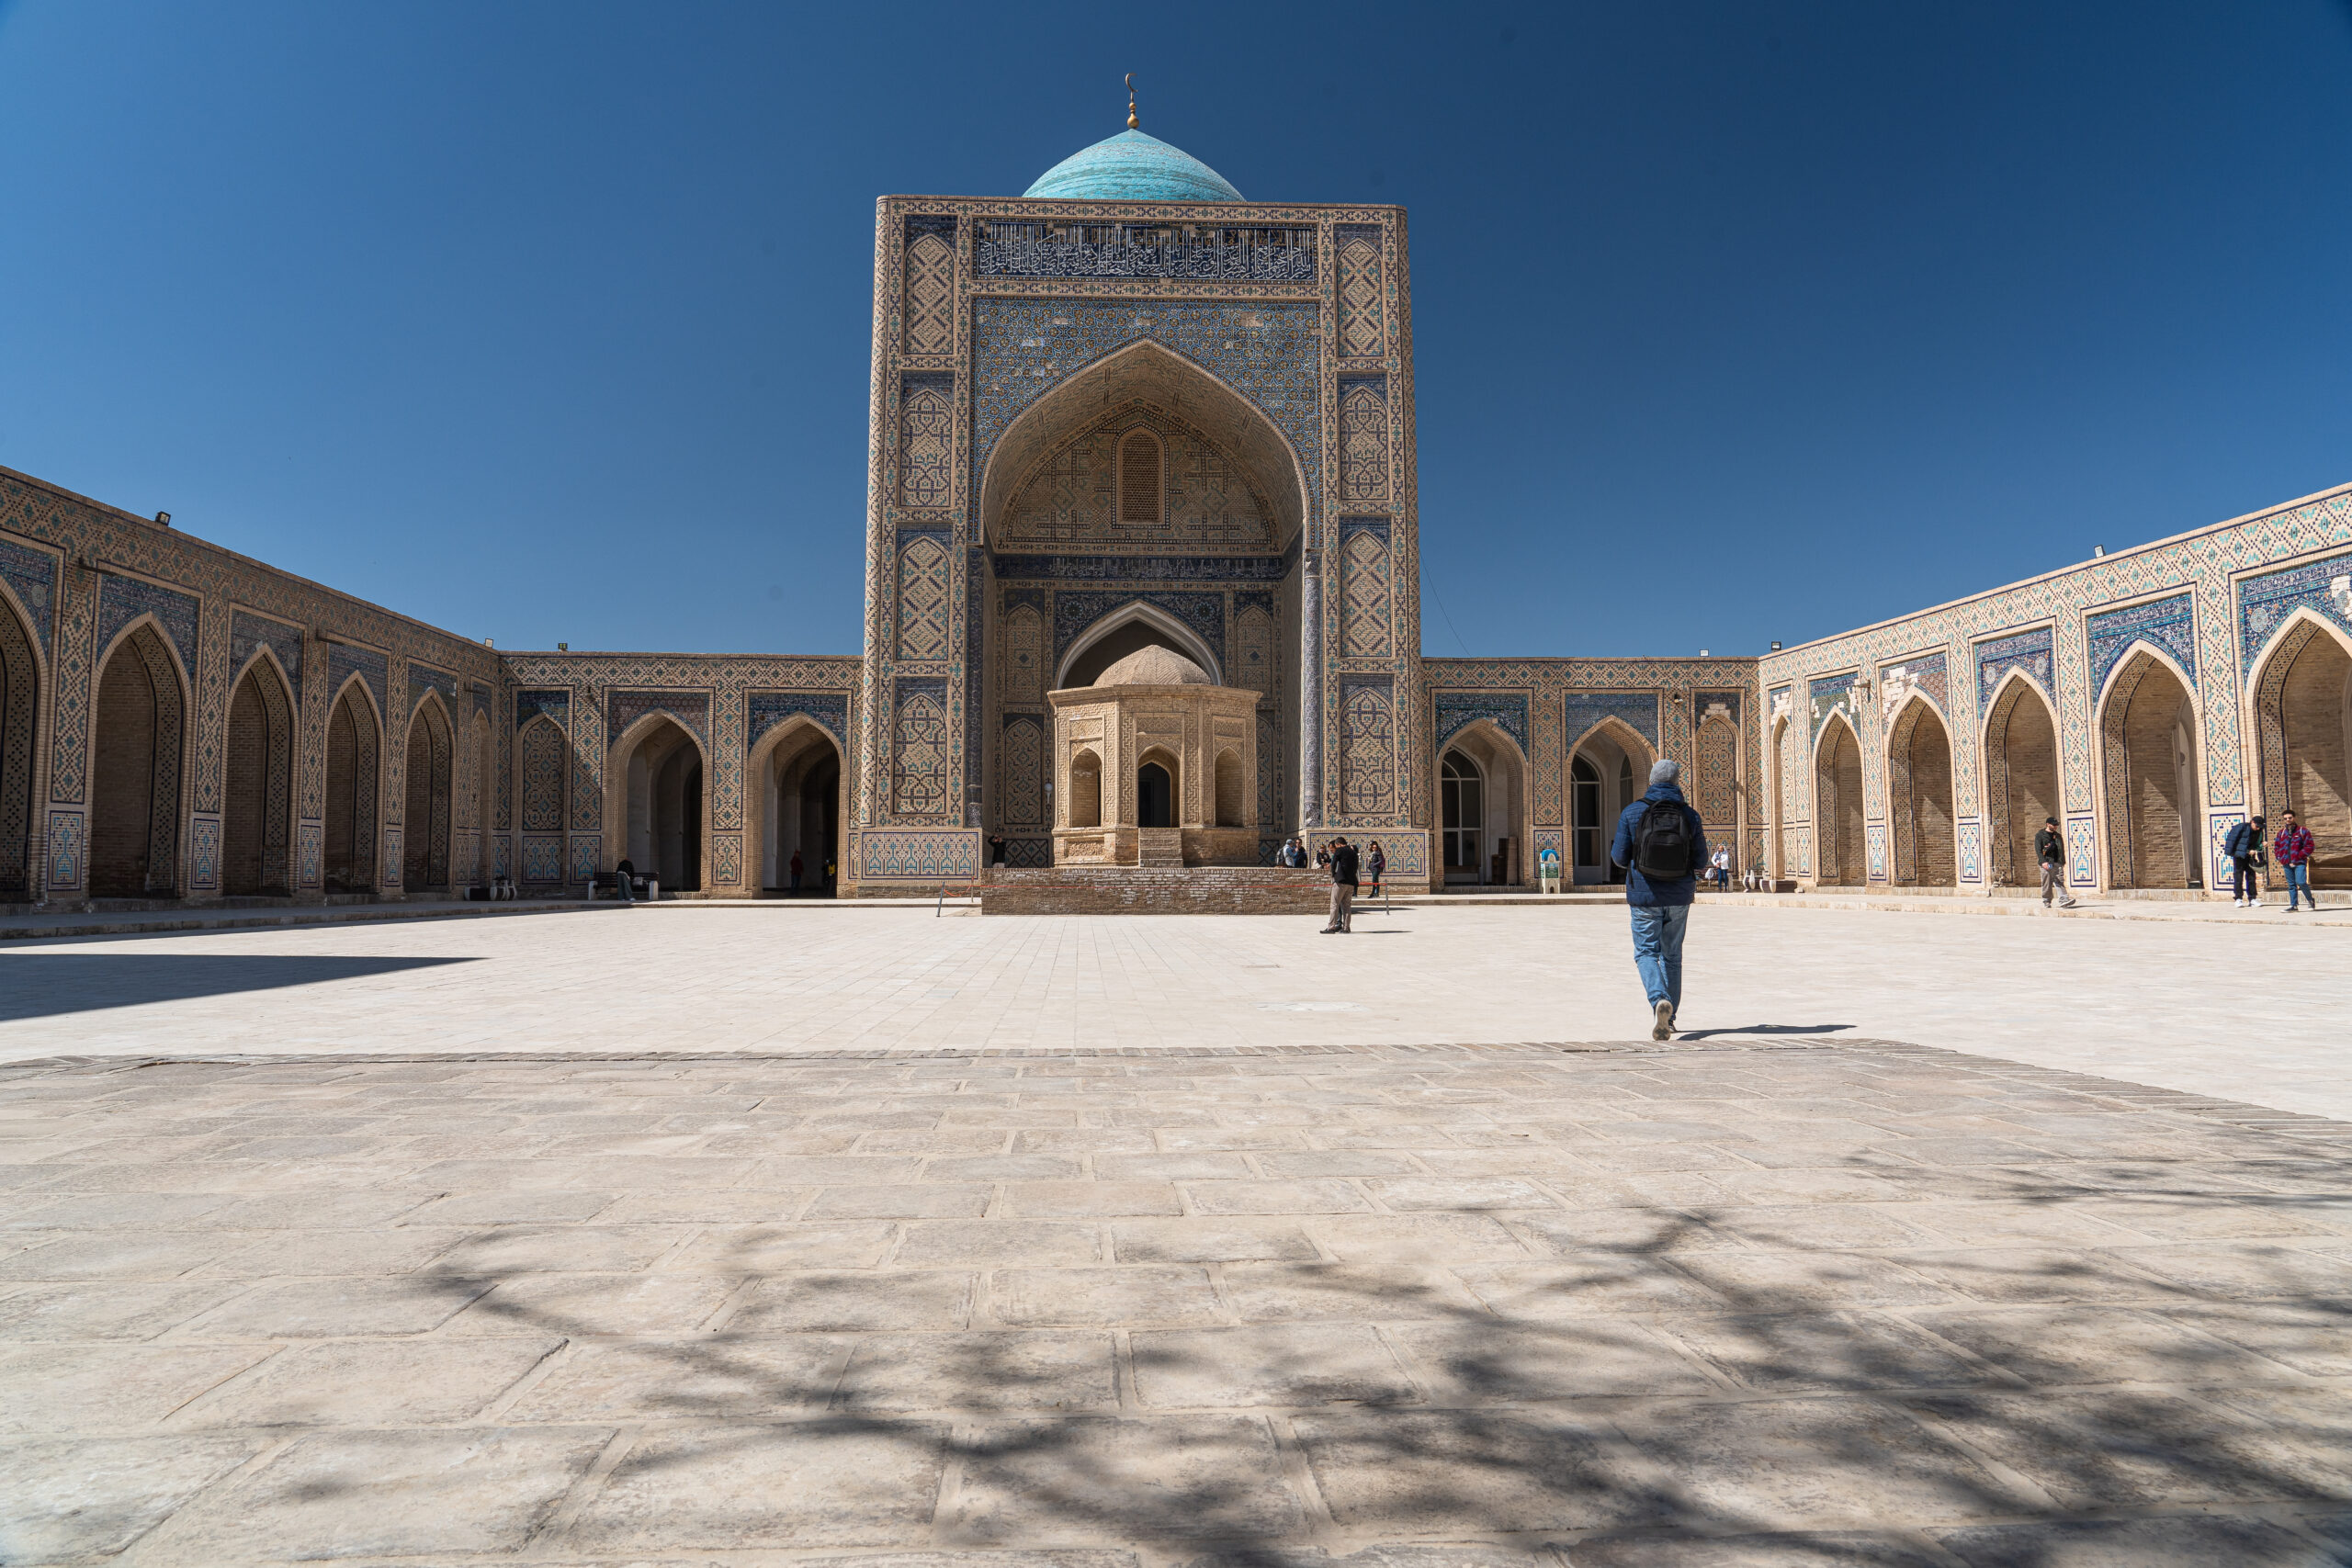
point(1711, 1304)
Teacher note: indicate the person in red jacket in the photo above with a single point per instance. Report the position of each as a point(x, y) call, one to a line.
point(2292, 850)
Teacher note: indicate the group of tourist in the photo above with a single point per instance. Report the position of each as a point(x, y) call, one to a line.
point(1348, 869)
point(2291, 848)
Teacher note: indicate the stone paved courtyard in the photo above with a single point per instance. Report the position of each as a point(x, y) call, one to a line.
point(377, 1292)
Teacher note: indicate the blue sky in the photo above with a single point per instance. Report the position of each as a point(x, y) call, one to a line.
point(1734, 322)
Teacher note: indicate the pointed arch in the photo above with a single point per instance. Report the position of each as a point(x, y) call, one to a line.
point(1924, 849)
point(1179, 636)
point(798, 789)
point(1506, 804)
point(429, 823)
point(1151, 373)
point(138, 737)
point(656, 801)
point(257, 790)
point(23, 680)
point(1082, 801)
point(2149, 727)
point(1840, 856)
point(354, 786)
point(1616, 760)
point(1779, 828)
point(2021, 773)
point(2301, 690)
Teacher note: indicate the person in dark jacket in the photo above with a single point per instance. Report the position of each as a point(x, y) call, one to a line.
point(2050, 849)
point(2244, 848)
point(1376, 863)
point(1661, 906)
point(1343, 887)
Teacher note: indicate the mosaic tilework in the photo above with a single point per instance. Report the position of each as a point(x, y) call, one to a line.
point(764, 710)
point(690, 709)
point(122, 600)
point(1875, 847)
point(394, 863)
point(1367, 746)
point(544, 753)
point(585, 852)
point(2082, 845)
point(556, 705)
point(66, 844)
point(1361, 332)
point(2167, 624)
point(204, 854)
point(310, 851)
point(1923, 674)
point(1022, 771)
point(19, 710)
point(923, 594)
point(916, 854)
point(1146, 568)
point(918, 781)
point(1457, 711)
point(249, 632)
point(1364, 594)
point(1074, 613)
point(2029, 651)
point(343, 662)
point(543, 857)
point(31, 575)
point(1637, 712)
point(424, 677)
point(931, 293)
point(926, 440)
point(1969, 846)
point(1831, 696)
point(1004, 248)
point(2267, 600)
point(1363, 438)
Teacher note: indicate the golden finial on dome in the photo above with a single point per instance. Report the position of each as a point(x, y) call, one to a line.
point(1132, 123)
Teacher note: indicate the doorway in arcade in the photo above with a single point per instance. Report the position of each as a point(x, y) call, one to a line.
point(803, 816)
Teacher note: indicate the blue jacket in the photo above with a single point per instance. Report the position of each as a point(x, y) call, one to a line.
point(2246, 839)
point(1640, 889)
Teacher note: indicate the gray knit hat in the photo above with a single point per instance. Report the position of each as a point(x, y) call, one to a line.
point(1664, 771)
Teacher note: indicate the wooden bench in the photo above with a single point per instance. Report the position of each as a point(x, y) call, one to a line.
point(608, 884)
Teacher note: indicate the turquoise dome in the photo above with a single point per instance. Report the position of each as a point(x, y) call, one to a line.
point(1132, 167)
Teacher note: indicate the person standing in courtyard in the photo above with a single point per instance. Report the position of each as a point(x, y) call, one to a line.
point(1375, 862)
point(2244, 848)
point(1661, 843)
point(1343, 887)
point(2294, 846)
point(2050, 849)
point(1720, 864)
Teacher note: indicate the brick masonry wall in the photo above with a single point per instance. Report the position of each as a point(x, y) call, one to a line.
point(2030, 756)
point(2153, 789)
point(122, 779)
point(1931, 805)
point(2319, 784)
point(245, 792)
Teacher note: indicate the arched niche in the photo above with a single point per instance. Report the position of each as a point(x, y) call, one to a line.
point(1840, 854)
point(1482, 758)
point(1146, 375)
point(257, 785)
point(2021, 778)
point(1137, 625)
point(1920, 797)
point(353, 775)
point(428, 822)
point(139, 733)
point(2148, 730)
point(798, 801)
point(1609, 769)
point(21, 684)
point(656, 803)
point(2303, 703)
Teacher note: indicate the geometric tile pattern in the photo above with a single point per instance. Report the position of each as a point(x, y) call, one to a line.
point(2166, 623)
point(2266, 601)
point(32, 575)
point(1455, 711)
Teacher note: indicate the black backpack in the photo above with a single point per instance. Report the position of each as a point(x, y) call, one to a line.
point(1662, 843)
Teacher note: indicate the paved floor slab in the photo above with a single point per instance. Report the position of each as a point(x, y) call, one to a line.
point(1386, 1306)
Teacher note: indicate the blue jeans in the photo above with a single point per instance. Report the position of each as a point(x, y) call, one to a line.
point(2298, 881)
point(1657, 948)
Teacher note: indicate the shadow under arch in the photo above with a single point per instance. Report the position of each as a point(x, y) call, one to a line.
point(798, 769)
point(2301, 688)
point(23, 679)
point(1140, 612)
point(139, 732)
point(1923, 848)
point(2021, 755)
point(1147, 372)
point(2149, 724)
point(1840, 852)
point(657, 802)
point(257, 785)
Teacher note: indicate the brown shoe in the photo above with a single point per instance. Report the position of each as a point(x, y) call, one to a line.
point(1664, 1027)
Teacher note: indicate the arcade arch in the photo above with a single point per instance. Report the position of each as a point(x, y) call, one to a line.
point(426, 824)
point(1085, 805)
point(1484, 807)
point(355, 747)
point(2148, 763)
point(140, 732)
point(2302, 694)
point(256, 804)
point(1840, 858)
point(2020, 779)
point(1609, 769)
point(656, 796)
point(1919, 798)
point(20, 688)
point(799, 805)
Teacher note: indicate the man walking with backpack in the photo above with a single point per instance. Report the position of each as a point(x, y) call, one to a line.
point(1661, 845)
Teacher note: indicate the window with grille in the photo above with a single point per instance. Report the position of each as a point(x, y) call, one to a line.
point(1140, 477)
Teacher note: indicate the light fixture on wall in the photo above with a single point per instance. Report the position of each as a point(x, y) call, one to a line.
point(164, 518)
point(1776, 647)
point(2098, 551)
